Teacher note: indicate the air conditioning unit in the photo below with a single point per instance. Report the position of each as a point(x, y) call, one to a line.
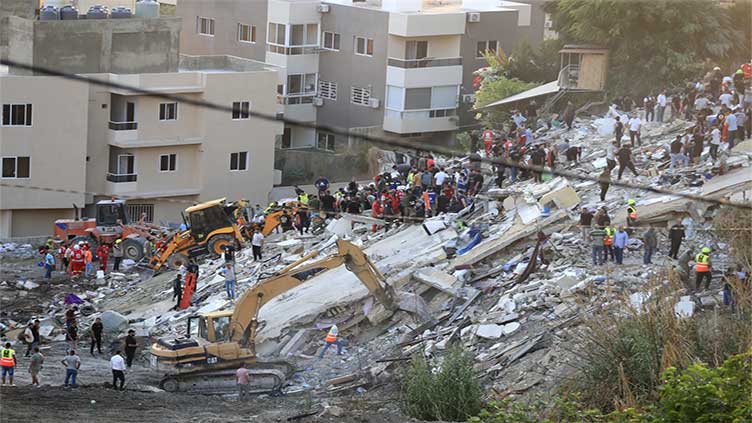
point(318, 101)
point(374, 103)
point(323, 8)
point(468, 98)
point(473, 17)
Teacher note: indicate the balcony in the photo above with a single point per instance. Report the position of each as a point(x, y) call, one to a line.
point(427, 62)
point(121, 183)
point(123, 126)
point(428, 120)
point(122, 177)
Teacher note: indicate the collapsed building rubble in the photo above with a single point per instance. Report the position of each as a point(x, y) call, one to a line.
point(481, 273)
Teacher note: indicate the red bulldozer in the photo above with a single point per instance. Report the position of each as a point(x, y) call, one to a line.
point(110, 224)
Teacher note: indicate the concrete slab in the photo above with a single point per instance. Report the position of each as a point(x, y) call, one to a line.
point(490, 331)
point(438, 279)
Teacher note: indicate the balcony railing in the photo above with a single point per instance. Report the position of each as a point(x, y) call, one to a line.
point(569, 76)
point(419, 114)
point(424, 63)
point(123, 126)
point(293, 50)
point(122, 177)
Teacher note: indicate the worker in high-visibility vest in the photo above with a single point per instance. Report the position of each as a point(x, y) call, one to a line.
point(702, 268)
point(303, 198)
point(631, 212)
point(8, 362)
point(332, 338)
point(608, 243)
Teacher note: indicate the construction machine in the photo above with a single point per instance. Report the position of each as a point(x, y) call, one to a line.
point(210, 228)
point(109, 224)
point(217, 343)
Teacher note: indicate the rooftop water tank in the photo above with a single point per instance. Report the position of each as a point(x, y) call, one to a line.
point(68, 13)
point(120, 13)
point(97, 12)
point(57, 3)
point(147, 9)
point(49, 13)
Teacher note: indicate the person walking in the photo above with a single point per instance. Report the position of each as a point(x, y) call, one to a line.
point(35, 338)
point(103, 253)
point(88, 261)
point(604, 181)
point(619, 131)
point(257, 241)
point(620, 243)
point(611, 155)
point(634, 130)
point(676, 148)
point(624, 156)
point(586, 221)
point(177, 290)
point(597, 236)
point(96, 336)
point(117, 254)
point(703, 268)
point(131, 345)
point(72, 363)
point(49, 264)
point(675, 235)
point(332, 338)
point(243, 380)
point(229, 275)
point(35, 366)
point(8, 362)
point(71, 335)
point(650, 244)
point(117, 364)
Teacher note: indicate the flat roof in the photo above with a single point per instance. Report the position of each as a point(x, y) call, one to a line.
point(432, 6)
point(220, 63)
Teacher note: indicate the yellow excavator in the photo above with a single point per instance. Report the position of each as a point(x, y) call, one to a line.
point(217, 343)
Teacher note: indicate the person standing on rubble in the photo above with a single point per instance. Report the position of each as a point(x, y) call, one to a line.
point(177, 290)
point(72, 363)
point(597, 237)
point(650, 244)
point(88, 261)
point(117, 364)
point(103, 252)
point(117, 253)
point(676, 154)
point(604, 180)
point(703, 267)
point(243, 380)
point(332, 338)
point(49, 263)
point(608, 244)
point(229, 275)
point(675, 235)
point(634, 129)
point(662, 102)
point(625, 160)
point(620, 243)
point(611, 156)
point(35, 366)
point(586, 221)
point(131, 345)
point(631, 213)
point(96, 336)
point(568, 114)
point(619, 131)
point(256, 243)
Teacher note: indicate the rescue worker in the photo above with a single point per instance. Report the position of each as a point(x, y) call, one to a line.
point(77, 260)
point(117, 253)
point(177, 290)
point(303, 198)
point(88, 261)
point(61, 253)
point(103, 253)
point(631, 213)
point(8, 362)
point(332, 338)
point(702, 268)
point(608, 243)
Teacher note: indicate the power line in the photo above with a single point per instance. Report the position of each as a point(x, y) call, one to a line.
point(392, 141)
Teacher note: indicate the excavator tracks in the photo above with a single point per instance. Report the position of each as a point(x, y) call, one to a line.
point(265, 377)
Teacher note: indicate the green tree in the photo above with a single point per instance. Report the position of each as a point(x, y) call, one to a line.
point(495, 86)
point(529, 64)
point(653, 44)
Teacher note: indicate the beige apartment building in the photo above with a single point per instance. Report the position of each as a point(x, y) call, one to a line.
point(98, 142)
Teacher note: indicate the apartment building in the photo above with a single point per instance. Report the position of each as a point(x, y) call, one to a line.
point(89, 142)
point(379, 67)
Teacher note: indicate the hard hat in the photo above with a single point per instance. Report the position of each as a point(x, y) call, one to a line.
point(80, 243)
point(118, 241)
point(705, 250)
point(716, 68)
point(631, 202)
point(76, 247)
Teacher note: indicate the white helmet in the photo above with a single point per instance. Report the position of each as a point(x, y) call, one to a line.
point(76, 247)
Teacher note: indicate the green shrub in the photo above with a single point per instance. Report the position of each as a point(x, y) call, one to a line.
point(452, 393)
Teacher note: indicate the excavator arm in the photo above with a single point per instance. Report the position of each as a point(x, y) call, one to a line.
point(245, 316)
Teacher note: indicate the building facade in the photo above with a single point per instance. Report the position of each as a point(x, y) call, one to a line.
point(401, 68)
point(89, 142)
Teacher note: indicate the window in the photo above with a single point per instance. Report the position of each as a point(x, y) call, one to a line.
point(417, 98)
point(205, 26)
point(364, 46)
point(277, 34)
point(328, 90)
point(239, 161)
point(16, 167)
point(486, 46)
point(168, 111)
point(241, 110)
point(304, 35)
point(360, 95)
point(331, 40)
point(16, 114)
point(301, 84)
point(325, 141)
point(441, 113)
point(246, 33)
point(136, 211)
point(168, 162)
point(415, 50)
point(126, 164)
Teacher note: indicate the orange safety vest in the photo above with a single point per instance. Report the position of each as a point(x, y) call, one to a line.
point(632, 212)
point(332, 335)
point(702, 263)
point(608, 240)
point(6, 357)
